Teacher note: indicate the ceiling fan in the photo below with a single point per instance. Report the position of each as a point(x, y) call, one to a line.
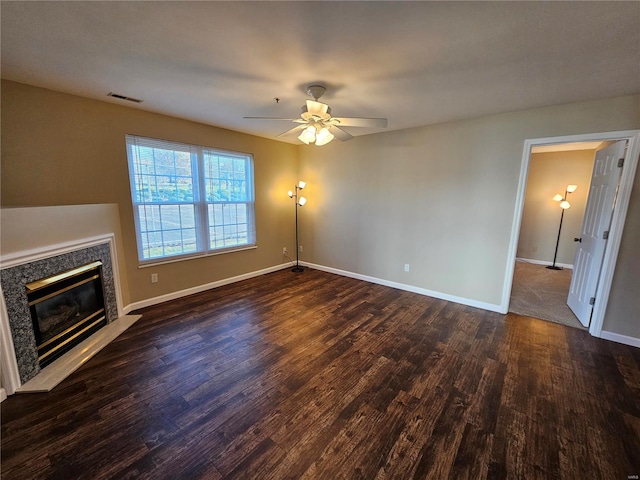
point(316, 125)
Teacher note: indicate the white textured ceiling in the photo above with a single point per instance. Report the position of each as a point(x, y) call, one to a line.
point(416, 63)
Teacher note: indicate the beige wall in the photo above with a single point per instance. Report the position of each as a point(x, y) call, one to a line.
point(440, 198)
point(60, 149)
point(549, 174)
point(31, 228)
point(623, 309)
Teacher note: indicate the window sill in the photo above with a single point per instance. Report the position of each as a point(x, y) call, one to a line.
point(163, 261)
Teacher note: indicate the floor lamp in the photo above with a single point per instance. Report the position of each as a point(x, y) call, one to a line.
point(563, 205)
point(299, 201)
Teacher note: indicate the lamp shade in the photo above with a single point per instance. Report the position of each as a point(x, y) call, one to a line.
point(324, 136)
point(564, 204)
point(302, 201)
point(301, 184)
point(557, 197)
point(571, 188)
point(308, 135)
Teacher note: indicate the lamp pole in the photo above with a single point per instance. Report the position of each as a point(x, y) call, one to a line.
point(555, 255)
point(299, 201)
point(563, 205)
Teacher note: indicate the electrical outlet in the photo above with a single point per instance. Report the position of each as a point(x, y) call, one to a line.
point(284, 250)
point(406, 267)
point(154, 278)
point(301, 248)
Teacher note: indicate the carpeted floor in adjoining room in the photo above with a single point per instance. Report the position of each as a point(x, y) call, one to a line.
point(542, 293)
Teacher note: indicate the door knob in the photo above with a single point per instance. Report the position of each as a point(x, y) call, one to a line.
point(577, 240)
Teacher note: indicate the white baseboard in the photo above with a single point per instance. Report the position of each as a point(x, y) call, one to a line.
point(401, 286)
point(201, 288)
point(409, 288)
point(632, 341)
point(544, 262)
point(624, 339)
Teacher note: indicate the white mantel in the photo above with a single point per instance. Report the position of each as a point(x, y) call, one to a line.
point(30, 234)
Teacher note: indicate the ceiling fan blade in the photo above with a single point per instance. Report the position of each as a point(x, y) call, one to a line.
point(295, 129)
point(341, 134)
point(361, 122)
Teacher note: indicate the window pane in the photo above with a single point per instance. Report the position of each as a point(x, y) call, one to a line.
point(161, 175)
point(183, 164)
point(230, 227)
point(170, 217)
point(189, 241)
point(217, 237)
point(232, 232)
point(167, 230)
point(242, 213)
point(171, 237)
point(187, 216)
point(184, 189)
point(226, 214)
point(226, 178)
point(216, 218)
point(152, 244)
point(149, 217)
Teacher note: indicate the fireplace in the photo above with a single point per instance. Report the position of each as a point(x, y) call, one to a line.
point(66, 308)
point(20, 352)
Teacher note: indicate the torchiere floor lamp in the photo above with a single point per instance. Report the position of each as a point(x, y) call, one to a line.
point(299, 201)
point(563, 205)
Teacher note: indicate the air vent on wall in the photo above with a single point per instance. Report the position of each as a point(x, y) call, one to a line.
point(123, 97)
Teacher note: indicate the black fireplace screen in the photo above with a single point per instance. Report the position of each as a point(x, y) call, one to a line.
point(66, 309)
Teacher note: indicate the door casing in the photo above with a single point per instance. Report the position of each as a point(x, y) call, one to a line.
point(617, 221)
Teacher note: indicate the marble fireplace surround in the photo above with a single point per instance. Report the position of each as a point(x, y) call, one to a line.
point(20, 359)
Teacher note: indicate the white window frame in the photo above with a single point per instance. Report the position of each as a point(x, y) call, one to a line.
point(200, 203)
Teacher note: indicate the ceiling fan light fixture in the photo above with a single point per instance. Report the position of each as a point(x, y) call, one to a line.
point(323, 137)
point(317, 126)
point(308, 135)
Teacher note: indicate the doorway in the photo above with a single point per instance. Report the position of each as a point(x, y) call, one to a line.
point(559, 176)
point(606, 272)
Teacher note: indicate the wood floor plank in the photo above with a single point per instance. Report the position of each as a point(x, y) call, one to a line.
point(315, 375)
point(474, 454)
point(342, 457)
point(439, 452)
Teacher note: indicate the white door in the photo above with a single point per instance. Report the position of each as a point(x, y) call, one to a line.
point(595, 230)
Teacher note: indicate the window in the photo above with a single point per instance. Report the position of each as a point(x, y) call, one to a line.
point(189, 200)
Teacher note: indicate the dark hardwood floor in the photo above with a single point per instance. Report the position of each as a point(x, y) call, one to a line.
point(319, 376)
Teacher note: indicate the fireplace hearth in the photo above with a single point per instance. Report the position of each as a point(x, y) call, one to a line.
point(65, 309)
